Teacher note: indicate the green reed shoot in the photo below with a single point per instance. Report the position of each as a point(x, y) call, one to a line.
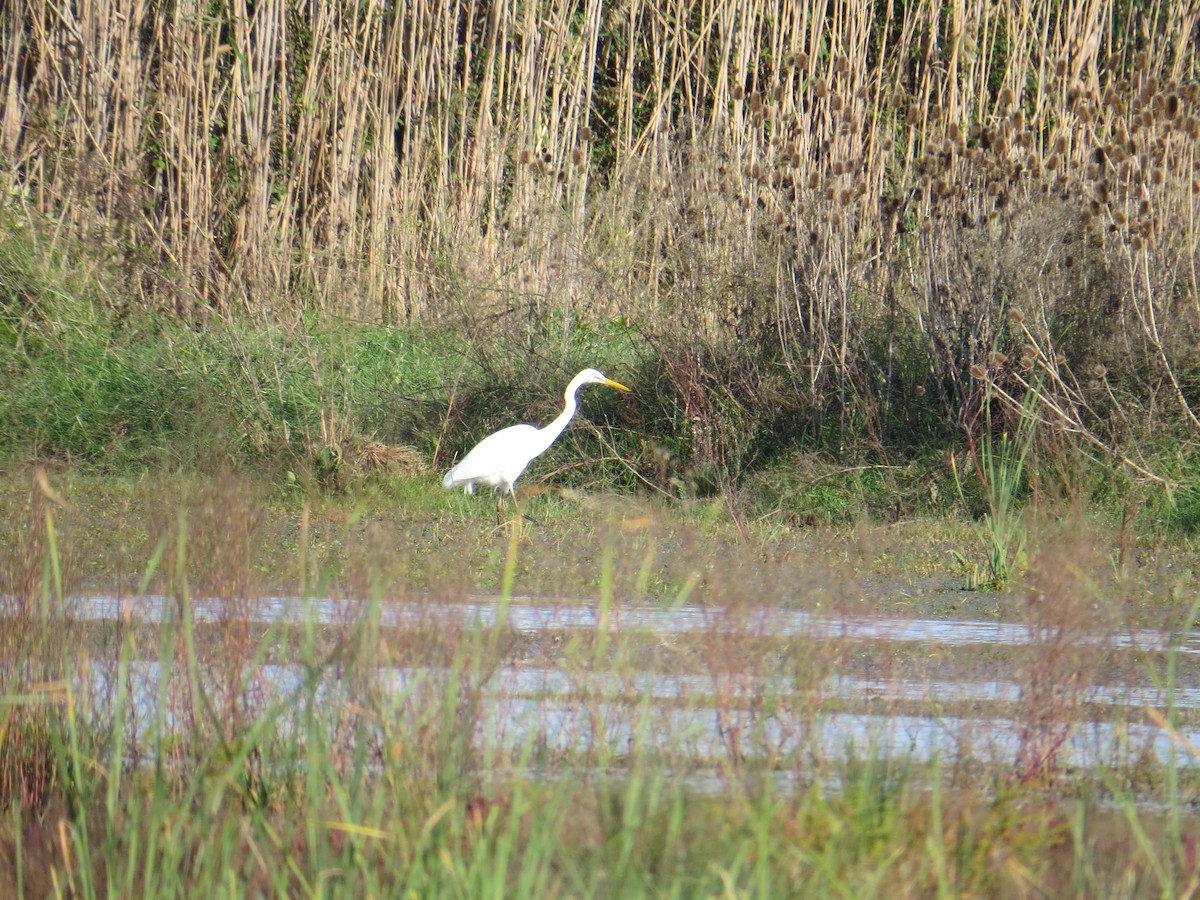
point(999, 465)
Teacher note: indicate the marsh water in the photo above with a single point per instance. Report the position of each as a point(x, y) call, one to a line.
point(711, 714)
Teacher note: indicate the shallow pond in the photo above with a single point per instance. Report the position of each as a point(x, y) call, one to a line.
point(709, 716)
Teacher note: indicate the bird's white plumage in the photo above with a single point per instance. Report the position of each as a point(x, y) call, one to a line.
point(499, 459)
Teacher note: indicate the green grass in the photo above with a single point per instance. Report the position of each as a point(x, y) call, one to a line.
point(311, 401)
point(92, 379)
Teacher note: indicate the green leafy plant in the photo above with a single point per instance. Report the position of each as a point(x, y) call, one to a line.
point(999, 465)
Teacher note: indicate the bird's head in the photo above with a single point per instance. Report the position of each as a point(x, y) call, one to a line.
point(595, 376)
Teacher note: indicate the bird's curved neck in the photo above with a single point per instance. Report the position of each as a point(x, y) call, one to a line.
point(552, 430)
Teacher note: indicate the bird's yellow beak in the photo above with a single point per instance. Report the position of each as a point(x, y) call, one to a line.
point(616, 384)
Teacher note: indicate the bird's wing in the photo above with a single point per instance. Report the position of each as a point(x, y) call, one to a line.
point(498, 454)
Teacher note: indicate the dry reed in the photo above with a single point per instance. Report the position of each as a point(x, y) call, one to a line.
point(752, 171)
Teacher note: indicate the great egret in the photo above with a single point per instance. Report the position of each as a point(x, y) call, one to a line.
point(499, 459)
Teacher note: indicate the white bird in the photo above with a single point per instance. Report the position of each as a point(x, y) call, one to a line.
point(499, 459)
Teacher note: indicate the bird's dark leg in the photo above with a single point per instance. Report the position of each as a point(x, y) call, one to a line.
point(500, 520)
point(517, 506)
point(499, 514)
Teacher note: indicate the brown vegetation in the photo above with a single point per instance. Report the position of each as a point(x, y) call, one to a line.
point(817, 187)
